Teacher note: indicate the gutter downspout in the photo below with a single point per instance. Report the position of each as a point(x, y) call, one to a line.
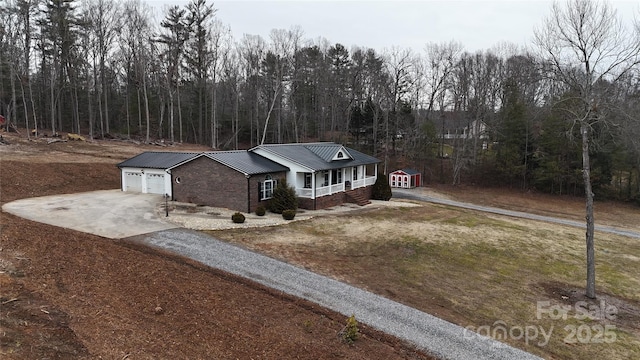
point(248, 193)
point(313, 186)
point(121, 179)
point(170, 182)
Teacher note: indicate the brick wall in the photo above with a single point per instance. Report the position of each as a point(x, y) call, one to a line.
point(364, 191)
point(322, 202)
point(328, 201)
point(207, 182)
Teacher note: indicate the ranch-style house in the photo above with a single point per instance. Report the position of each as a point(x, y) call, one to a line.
point(324, 174)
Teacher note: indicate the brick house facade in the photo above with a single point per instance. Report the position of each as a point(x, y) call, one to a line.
point(205, 181)
point(322, 174)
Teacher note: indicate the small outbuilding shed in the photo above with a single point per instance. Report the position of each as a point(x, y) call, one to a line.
point(405, 178)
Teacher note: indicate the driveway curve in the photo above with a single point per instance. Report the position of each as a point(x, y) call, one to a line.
point(413, 195)
point(112, 214)
point(429, 333)
point(115, 214)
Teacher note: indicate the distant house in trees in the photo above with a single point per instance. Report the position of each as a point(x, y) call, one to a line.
point(323, 175)
point(456, 125)
point(405, 178)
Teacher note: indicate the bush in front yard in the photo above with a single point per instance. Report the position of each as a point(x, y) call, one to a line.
point(260, 211)
point(381, 189)
point(350, 332)
point(284, 197)
point(288, 214)
point(237, 218)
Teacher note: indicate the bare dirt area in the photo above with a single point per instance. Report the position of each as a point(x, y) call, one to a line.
point(70, 295)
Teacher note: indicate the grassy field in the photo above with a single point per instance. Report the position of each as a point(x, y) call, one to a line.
point(484, 272)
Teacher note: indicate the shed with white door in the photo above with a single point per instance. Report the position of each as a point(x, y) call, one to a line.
point(405, 178)
point(149, 172)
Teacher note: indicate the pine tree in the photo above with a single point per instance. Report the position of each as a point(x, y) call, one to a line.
point(284, 198)
point(381, 189)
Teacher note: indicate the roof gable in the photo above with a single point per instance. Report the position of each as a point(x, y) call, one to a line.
point(157, 160)
point(406, 171)
point(317, 156)
point(330, 151)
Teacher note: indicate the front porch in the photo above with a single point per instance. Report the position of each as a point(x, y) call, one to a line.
point(333, 189)
point(330, 182)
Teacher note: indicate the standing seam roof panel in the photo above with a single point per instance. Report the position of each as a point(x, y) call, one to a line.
point(246, 162)
point(157, 160)
point(325, 152)
point(301, 154)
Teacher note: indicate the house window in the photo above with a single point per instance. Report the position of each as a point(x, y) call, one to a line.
point(336, 176)
point(266, 187)
point(355, 173)
point(325, 181)
point(307, 180)
point(340, 155)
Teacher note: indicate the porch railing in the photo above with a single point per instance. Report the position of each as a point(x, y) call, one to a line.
point(336, 188)
point(370, 180)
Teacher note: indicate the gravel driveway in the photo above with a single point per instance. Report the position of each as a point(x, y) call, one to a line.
point(413, 195)
point(438, 337)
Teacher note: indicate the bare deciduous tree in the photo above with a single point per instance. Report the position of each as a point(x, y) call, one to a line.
point(586, 47)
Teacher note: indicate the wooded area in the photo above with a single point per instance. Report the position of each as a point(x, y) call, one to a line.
point(503, 116)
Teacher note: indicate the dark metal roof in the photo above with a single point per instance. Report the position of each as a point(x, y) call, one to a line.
point(157, 160)
point(317, 156)
point(328, 151)
point(246, 162)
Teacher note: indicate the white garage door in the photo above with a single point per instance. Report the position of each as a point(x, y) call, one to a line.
point(133, 182)
point(155, 184)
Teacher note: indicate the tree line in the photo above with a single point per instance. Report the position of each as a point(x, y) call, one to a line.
point(505, 115)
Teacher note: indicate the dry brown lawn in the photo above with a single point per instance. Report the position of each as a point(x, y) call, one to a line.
point(477, 270)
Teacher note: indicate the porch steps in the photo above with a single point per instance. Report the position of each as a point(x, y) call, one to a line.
point(357, 198)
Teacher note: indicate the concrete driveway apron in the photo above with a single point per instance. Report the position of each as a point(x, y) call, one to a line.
point(109, 213)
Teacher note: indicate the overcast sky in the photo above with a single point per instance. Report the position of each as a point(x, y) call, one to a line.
point(477, 25)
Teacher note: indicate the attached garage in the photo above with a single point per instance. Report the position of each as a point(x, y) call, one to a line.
point(132, 181)
point(149, 172)
point(155, 183)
